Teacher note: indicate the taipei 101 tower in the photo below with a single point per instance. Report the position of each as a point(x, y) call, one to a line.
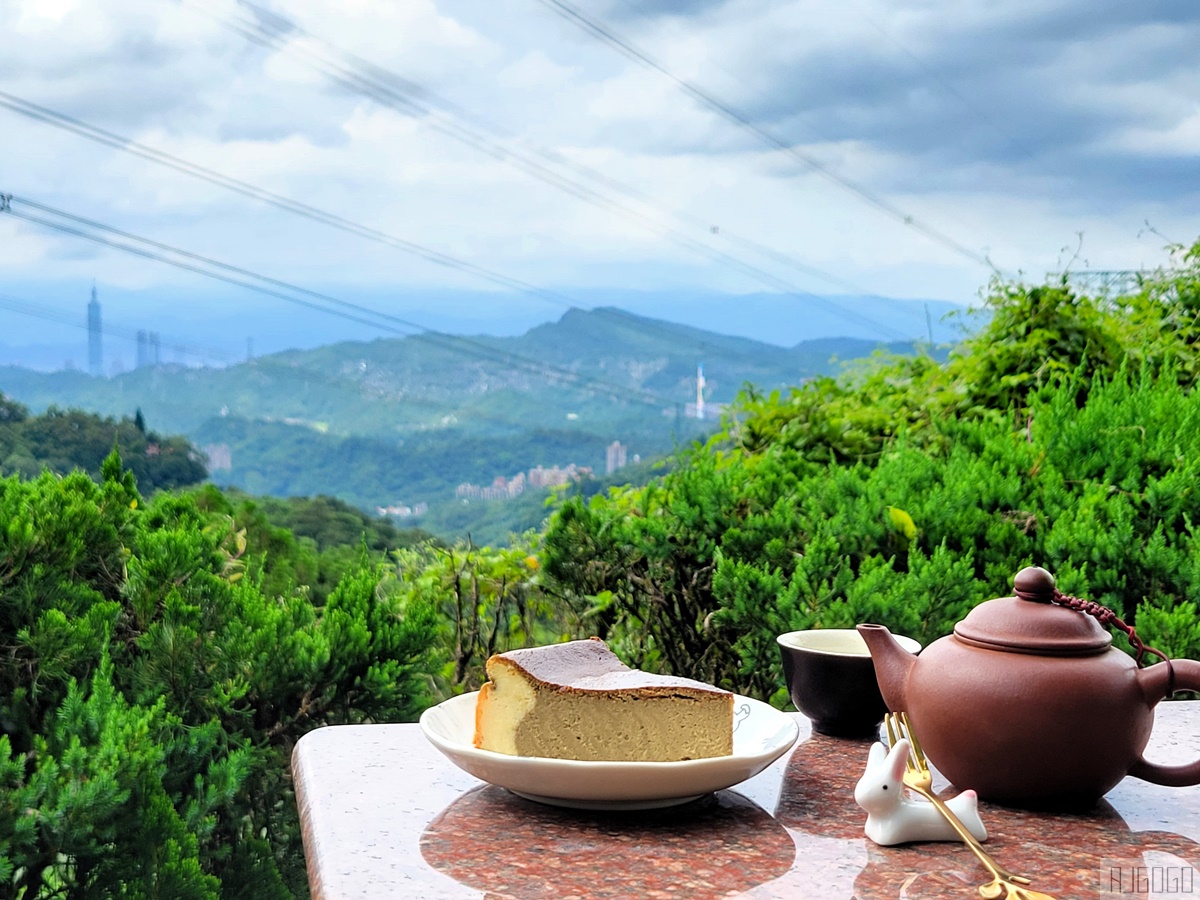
point(95, 349)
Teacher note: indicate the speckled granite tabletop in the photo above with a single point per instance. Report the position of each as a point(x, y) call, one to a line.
point(385, 815)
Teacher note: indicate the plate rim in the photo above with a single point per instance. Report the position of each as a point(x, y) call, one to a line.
point(741, 766)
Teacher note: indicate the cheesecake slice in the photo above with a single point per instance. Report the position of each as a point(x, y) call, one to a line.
point(579, 701)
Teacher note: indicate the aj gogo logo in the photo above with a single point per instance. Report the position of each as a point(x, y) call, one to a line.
point(1153, 880)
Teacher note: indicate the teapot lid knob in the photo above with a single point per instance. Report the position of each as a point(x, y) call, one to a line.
point(1034, 583)
point(1033, 622)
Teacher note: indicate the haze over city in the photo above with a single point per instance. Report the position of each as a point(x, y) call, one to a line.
point(474, 169)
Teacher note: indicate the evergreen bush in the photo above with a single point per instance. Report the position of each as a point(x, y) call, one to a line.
point(151, 692)
point(159, 659)
point(1066, 434)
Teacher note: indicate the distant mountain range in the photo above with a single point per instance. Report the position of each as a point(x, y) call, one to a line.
point(786, 320)
point(222, 327)
point(403, 421)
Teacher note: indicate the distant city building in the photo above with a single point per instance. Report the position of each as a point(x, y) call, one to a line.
point(701, 408)
point(614, 457)
point(95, 347)
point(503, 488)
point(148, 349)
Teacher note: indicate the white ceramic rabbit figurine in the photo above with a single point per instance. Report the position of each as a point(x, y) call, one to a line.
point(893, 818)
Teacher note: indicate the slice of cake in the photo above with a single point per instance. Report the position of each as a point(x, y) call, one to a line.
point(579, 701)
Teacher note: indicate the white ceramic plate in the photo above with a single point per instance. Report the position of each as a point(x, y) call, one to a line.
point(761, 735)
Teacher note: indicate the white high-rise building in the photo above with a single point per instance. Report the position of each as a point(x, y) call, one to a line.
point(614, 457)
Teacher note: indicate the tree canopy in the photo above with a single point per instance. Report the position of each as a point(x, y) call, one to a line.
point(161, 655)
point(65, 440)
point(1065, 433)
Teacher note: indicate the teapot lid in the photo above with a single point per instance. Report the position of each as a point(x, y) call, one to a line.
point(1031, 623)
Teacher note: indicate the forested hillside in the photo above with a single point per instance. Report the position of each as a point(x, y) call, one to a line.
point(611, 369)
point(405, 421)
point(63, 440)
point(1066, 434)
point(157, 669)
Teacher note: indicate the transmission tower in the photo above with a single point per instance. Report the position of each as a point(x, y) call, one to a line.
point(1105, 282)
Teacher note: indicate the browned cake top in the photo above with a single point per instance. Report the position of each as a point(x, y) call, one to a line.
point(590, 666)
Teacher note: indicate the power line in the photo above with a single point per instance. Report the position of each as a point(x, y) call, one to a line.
point(427, 104)
point(277, 33)
point(947, 86)
point(287, 371)
point(456, 345)
point(211, 268)
point(109, 139)
point(180, 264)
point(15, 304)
point(603, 33)
point(1108, 283)
point(980, 111)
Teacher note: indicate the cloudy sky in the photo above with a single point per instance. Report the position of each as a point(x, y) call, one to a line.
point(486, 160)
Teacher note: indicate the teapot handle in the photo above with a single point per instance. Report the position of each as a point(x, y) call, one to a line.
point(1157, 680)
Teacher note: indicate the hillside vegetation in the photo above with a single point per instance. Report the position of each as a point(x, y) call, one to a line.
point(63, 440)
point(405, 421)
point(1066, 434)
point(157, 671)
point(611, 369)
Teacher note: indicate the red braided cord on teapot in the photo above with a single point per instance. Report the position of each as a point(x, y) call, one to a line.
point(1106, 616)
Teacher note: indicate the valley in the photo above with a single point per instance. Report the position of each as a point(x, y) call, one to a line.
point(402, 423)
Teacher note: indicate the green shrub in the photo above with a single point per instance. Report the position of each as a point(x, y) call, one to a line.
point(489, 601)
point(151, 692)
point(1067, 435)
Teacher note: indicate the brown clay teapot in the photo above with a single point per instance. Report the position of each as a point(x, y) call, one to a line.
point(1028, 702)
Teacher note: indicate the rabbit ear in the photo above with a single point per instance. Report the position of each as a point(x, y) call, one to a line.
point(898, 758)
point(876, 755)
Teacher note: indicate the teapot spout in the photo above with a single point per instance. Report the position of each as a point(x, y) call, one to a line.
point(893, 664)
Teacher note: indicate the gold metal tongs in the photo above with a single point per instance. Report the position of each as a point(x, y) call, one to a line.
point(919, 778)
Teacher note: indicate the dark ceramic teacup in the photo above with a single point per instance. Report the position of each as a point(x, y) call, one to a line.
point(831, 679)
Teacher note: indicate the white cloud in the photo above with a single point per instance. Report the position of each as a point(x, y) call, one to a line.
point(1181, 138)
point(524, 146)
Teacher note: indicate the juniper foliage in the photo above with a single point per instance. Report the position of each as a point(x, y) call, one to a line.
point(151, 692)
point(1065, 434)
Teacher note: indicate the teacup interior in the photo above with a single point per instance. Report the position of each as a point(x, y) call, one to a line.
point(837, 641)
